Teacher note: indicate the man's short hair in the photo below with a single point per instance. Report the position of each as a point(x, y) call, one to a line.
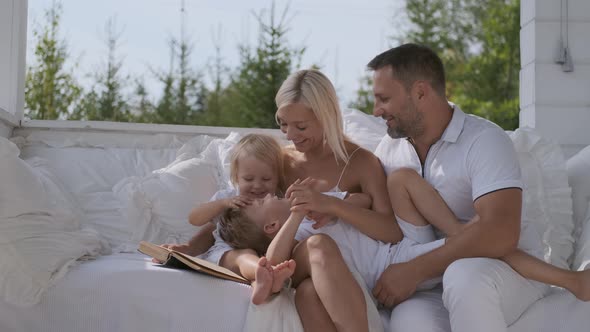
point(413, 62)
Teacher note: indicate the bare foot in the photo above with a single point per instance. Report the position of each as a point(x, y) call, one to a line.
point(262, 286)
point(281, 273)
point(582, 290)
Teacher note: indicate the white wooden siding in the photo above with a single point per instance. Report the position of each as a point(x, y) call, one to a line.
point(13, 26)
point(5, 53)
point(554, 102)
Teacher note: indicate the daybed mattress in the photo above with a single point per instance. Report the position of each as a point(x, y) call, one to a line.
point(126, 292)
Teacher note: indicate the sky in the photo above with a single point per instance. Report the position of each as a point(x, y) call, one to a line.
point(340, 35)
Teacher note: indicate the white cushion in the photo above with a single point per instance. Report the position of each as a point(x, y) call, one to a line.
point(21, 191)
point(582, 258)
point(62, 204)
point(578, 168)
point(89, 168)
point(363, 129)
point(40, 235)
point(547, 203)
point(220, 151)
point(157, 206)
point(35, 252)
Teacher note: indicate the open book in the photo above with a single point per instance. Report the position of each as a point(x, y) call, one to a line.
point(176, 259)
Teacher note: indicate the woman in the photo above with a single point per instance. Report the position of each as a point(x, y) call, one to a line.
point(309, 114)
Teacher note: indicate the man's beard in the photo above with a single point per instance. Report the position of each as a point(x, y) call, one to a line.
point(396, 133)
point(412, 128)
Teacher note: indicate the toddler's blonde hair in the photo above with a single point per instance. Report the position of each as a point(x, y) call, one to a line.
point(262, 147)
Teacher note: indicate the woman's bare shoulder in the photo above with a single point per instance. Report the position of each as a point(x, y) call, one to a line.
point(362, 157)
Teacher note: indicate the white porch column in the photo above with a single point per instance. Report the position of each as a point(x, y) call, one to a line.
point(13, 37)
point(554, 102)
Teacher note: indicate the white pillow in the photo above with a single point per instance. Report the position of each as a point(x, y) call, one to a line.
point(62, 204)
point(35, 252)
point(363, 129)
point(578, 168)
point(41, 238)
point(547, 203)
point(220, 151)
point(21, 191)
point(582, 258)
point(157, 206)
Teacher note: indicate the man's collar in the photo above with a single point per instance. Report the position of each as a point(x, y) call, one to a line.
point(455, 126)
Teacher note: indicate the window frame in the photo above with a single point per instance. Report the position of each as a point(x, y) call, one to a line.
point(16, 57)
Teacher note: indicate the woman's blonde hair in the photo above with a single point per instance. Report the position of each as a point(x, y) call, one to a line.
point(237, 230)
point(313, 89)
point(262, 147)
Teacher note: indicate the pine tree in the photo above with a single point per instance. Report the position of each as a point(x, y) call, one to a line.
point(50, 88)
point(141, 107)
point(183, 94)
point(106, 101)
point(215, 98)
point(261, 72)
point(364, 96)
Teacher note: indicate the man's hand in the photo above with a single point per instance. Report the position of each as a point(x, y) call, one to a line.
point(396, 284)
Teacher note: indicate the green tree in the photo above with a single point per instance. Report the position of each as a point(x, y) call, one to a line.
point(216, 98)
point(50, 88)
point(140, 105)
point(183, 95)
point(478, 40)
point(491, 80)
point(106, 101)
point(364, 95)
point(250, 95)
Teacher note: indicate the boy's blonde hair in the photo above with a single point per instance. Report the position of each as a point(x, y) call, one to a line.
point(262, 147)
point(314, 90)
point(237, 230)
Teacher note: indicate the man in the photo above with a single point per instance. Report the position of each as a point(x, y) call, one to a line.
point(472, 163)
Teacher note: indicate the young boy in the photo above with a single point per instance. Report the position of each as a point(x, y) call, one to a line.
point(272, 217)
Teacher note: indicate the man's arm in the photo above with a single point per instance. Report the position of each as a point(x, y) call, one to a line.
point(494, 235)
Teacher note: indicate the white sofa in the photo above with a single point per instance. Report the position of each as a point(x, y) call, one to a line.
point(99, 194)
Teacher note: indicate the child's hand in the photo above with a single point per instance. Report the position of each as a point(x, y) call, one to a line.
point(237, 202)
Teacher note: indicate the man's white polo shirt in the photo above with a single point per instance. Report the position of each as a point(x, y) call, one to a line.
point(473, 157)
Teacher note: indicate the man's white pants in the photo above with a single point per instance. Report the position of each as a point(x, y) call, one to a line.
point(478, 294)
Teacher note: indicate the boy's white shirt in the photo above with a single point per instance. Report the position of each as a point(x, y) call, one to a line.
point(359, 251)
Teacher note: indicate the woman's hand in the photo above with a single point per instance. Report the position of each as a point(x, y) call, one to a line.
point(307, 183)
point(304, 198)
